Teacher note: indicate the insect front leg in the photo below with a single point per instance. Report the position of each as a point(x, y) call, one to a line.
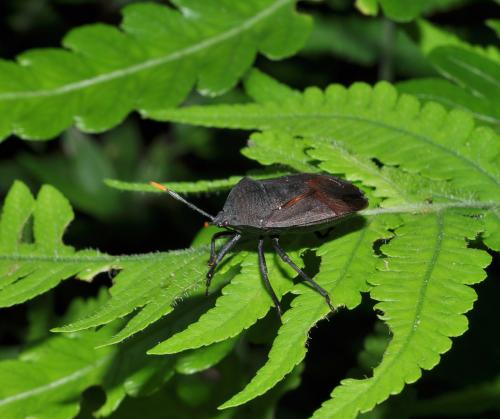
point(212, 244)
point(265, 277)
point(290, 262)
point(223, 251)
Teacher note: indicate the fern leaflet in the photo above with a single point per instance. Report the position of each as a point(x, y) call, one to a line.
point(347, 261)
point(161, 52)
point(243, 302)
point(423, 291)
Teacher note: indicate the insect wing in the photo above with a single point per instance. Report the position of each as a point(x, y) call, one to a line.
point(317, 199)
point(341, 196)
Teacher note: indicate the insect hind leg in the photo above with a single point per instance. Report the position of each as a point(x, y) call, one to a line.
point(282, 254)
point(223, 251)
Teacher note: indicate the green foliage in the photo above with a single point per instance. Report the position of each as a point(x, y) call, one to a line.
point(470, 75)
point(153, 339)
point(204, 358)
point(64, 366)
point(29, 269)
point(346, 262)
point(241, 304)
point(467, 154)
point(422, 297)
point(342, 130)
point(44, 378)
point(495, 25)
point(153, 62)
point(47, 379)
point(363, 41)
point(473, 401)
point(404, 10)
point(450, 95)
point(189, 187)
point(78, 174)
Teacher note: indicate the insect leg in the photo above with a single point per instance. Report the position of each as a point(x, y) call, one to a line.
point(212, 244)
point(313, 283)
point(223, 251)
point(265, 277)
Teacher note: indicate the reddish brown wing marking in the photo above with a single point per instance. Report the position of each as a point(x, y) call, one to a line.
point(298, 198)
point(324, 190)
point(320, 188)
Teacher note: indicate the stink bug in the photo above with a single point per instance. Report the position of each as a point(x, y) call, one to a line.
point(269, 208)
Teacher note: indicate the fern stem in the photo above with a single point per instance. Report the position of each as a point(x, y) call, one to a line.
point(386, 65)
point(421, 208)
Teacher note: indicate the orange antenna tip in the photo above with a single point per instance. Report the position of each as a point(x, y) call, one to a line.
point(206, 224)
point(159, 186)
point(175, 195)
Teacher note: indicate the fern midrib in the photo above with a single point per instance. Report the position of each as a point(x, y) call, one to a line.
point(420, 303)
point(420, 137)
point(374, 380)
point(133, 69)
point(430, 268)
point(379, 124)
point(423, 289)
point(98, 259)
point(423, 208)
point(76, 375)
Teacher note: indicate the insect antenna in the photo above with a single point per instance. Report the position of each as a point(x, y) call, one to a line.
point(180, 198)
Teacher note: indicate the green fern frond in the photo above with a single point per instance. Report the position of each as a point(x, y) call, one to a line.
point(492, 229)
point(152, 63)
point(243, 302)
point(29, 269)
point(467, 68)
point(373, 123)
point(346, 263)
point(148, 285)
point(201, 186)
point(145, 281)
point(396, 10)
point(472, 81)
point(203, 358)
point(48, 378)
point(39, 382)
point(423, 293)
point(439, 156)
point(475, 400)
point(451, 96)
point(290, 152)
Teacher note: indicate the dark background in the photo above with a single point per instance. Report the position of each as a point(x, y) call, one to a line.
point(133, 223)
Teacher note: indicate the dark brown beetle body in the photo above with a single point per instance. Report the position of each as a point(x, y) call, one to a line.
point(272, 207)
